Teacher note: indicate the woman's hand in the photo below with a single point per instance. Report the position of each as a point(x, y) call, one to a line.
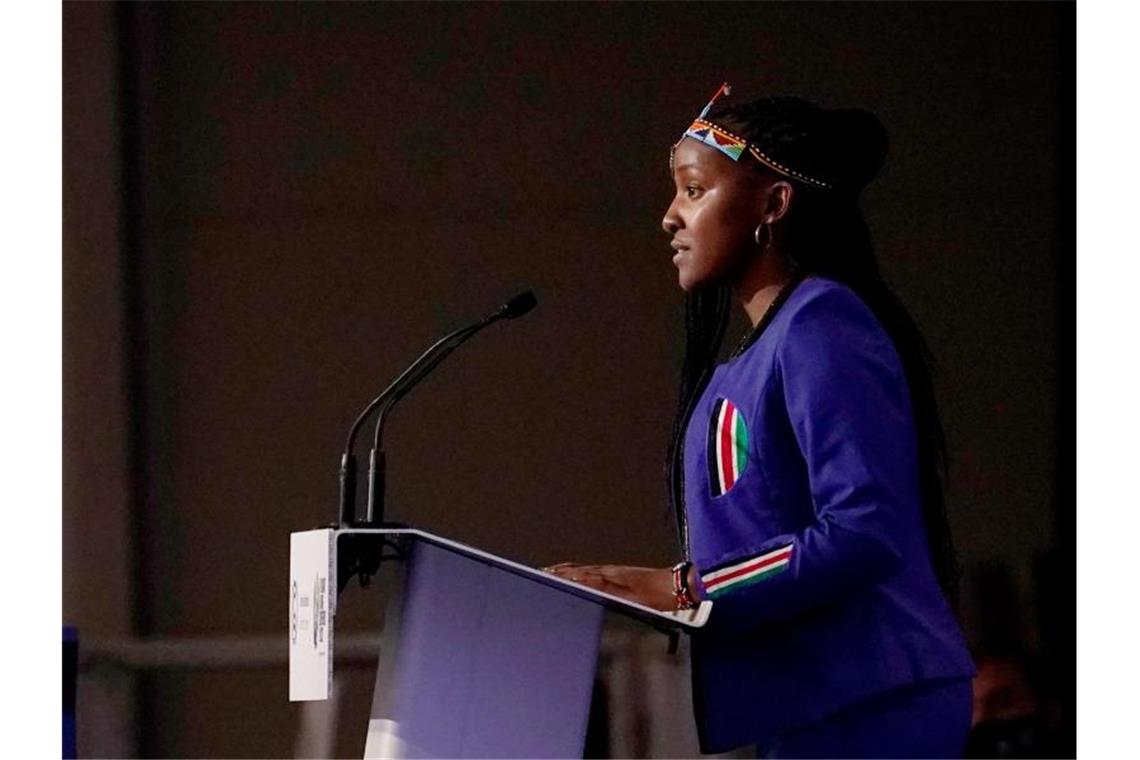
point(650, 586)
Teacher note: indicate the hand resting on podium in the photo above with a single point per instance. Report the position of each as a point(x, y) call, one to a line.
point(650, 586)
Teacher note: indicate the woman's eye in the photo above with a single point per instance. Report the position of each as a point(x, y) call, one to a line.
point(692, 191)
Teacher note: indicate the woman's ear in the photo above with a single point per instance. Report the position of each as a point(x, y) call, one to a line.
point(778, 201)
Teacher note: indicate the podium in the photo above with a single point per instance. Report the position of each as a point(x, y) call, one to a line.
point(480, 656)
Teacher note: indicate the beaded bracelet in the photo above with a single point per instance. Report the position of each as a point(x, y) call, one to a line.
point(681, 585)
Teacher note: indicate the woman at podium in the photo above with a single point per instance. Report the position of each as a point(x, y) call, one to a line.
point(806, 468)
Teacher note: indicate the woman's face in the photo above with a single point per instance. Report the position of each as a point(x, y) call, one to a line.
point(712, 217)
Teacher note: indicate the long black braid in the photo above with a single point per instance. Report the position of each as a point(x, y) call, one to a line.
point(706, 319)
point(824, 233)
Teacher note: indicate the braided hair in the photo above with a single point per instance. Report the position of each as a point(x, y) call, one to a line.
point(825, 234)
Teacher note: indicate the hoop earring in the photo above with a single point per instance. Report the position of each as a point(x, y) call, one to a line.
point(767, 243)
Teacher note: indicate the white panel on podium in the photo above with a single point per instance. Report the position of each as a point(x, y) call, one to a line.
point(312, 603)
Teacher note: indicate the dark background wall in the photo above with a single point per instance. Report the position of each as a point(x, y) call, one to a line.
point(270, 209)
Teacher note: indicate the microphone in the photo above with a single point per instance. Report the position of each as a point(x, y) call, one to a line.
point(517, 306)
point(401, 386)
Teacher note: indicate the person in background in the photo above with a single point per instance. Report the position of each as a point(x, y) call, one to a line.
point(1011, 716)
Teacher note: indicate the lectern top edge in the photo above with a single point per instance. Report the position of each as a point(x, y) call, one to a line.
point(679, 620)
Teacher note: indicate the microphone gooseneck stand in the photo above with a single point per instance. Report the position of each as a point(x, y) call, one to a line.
point(362, 557)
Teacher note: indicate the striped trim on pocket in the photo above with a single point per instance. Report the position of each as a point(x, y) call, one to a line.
point(727, 446)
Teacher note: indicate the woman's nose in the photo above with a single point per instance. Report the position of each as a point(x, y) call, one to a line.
point(670, 222)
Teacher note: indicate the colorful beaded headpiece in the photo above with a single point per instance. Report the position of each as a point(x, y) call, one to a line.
point(734, 146)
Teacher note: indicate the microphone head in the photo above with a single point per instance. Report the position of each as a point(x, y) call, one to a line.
point(519, 305)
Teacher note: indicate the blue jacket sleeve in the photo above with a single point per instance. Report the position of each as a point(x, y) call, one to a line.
point(849, 407)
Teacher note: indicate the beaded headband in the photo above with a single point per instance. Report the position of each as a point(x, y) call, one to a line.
point(733, 145)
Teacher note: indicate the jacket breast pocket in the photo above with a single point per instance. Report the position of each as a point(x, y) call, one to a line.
point(726, 447)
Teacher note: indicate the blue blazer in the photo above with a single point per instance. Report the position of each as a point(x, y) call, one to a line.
point(804, 521)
